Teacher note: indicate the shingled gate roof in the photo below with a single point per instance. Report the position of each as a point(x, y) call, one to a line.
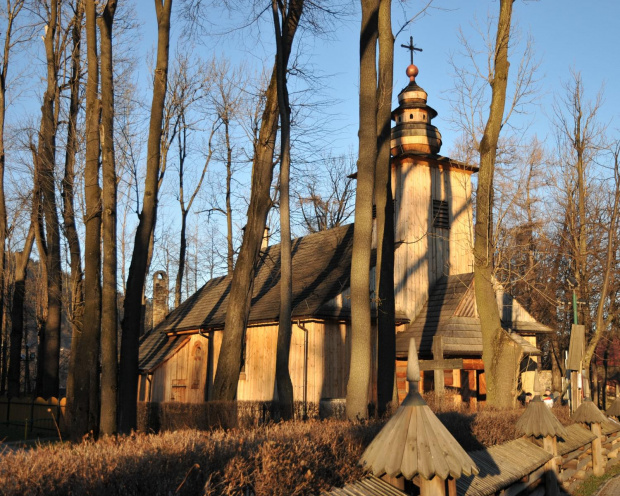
point(321, 268)
point(538, 420)
point(414, 441)
point(450, 312)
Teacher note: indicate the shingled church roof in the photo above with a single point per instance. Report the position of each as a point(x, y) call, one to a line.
point(321, 271)
point(450, 312)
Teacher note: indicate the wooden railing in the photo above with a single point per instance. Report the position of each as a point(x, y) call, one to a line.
point(517, 466)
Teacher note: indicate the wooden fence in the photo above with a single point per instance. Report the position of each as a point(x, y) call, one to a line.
point(33, 414)
point(518, 467)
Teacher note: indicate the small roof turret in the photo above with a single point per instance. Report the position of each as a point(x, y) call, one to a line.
point(538, 421)
point(588, 413)
point(414, 441)
point(413, 131)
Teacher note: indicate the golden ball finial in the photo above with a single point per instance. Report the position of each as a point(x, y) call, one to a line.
point(412, 72)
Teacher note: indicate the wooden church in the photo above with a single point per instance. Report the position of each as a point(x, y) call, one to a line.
point(434, 292)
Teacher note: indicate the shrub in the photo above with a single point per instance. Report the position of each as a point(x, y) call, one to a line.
point(286, 458)
point(173, 416)
point(258, 455)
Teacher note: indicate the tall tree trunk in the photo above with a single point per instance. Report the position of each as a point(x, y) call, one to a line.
point(229, 364)
point(230, 252)
point(41, 290)
point(360, 373)
point(128, 387)
point(283, 377)
point(182, 255)
point(185, 209)
point(17, 313)
point(73, 240)
point(182, 140)
point(604, 317)
point(500, 354)
point(46, 161)
point(85, 412)
point(11, 12)
point(384, 290)
point(109, 317)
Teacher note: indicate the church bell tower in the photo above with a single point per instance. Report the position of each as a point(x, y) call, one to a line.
point(432, 201)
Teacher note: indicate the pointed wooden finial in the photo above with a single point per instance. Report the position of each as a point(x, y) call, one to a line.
point(413, 367)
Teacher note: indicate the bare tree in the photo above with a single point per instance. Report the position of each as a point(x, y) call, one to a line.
point(607, 309)
point(13, 9)
point(360, 372)
point(128, 387)
point(327, 202)
point(85, 402)
point(226, 98)
point(229, 365)
point(76, 306)
point(187, 88)
point(384, 269)
point(588, 237)
point(109, 316)
point(46, 154)
point(281, 20)
point(500, 354)
point(17, 313)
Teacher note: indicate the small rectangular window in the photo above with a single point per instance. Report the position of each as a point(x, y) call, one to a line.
point(441, 216)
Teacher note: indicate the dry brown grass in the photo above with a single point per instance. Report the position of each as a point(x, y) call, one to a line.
point(292, 458)
point(287, 458)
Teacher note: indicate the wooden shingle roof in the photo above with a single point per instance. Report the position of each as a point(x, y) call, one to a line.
point(450, 312)
point(414, 441)
point(321, 271)
point(368, 486)
point(538, 420)
point(614, 408)
point(610, 427)
point(576, 437)
point(501, 466)
point(588, 413)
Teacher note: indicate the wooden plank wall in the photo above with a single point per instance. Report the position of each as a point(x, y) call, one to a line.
point(411, 270)
point(439, 239)
point(184, 375)
point(424, 253)
point(260, 364)
point(461, 222)
point(327, 367)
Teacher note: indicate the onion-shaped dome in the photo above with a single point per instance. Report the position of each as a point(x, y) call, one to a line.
point(538, 420)
point(414, 441)
point(588, 413)
point(413, 131)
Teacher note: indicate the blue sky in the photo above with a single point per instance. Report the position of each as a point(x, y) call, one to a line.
point(566, 33)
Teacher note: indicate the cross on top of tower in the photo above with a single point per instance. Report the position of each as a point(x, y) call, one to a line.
point(412, 48)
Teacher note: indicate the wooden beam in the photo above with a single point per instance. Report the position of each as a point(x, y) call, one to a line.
point(438, 373)
point(473, 364)
point(446, 364)
point(598, 465)
point(435, 487)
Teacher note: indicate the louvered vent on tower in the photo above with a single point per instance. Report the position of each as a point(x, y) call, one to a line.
point(441, 217)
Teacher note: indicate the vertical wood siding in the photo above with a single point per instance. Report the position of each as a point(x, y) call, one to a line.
point(425, 253)
point(327, 366)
